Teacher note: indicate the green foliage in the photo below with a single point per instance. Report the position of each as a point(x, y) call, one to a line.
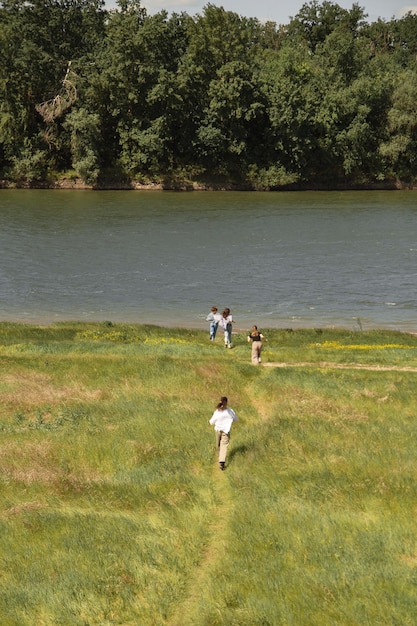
point(274, 177)
point(29, 165)
point(323, 99)
point(400, 148)
point(38, 41)
point(84, 129)
point(316, 22)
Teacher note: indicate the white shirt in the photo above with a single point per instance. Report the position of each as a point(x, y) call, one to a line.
point(224, 321)
point(223, 419)
point(213, 317)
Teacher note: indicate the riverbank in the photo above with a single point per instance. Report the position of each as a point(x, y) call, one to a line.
point(75, 183)
point(239, 330)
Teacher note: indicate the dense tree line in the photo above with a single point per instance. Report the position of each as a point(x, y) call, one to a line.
point(119, 94)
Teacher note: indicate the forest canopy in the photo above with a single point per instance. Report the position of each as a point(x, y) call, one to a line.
point(120, 95)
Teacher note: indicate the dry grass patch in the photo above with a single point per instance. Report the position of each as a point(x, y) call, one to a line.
point(33, 388)
point(29, 462)
point(374, 395)
point(39, 462)
point(410, 560)
point(295, 402)
point(265, 412)
point(24, 507)
point(209, 372)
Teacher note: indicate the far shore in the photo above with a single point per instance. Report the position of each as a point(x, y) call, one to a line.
point(74, 183)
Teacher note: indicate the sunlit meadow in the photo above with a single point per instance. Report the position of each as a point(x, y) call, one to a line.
point(113, 509)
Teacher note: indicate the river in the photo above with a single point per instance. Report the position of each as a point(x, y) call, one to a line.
point(278, 260)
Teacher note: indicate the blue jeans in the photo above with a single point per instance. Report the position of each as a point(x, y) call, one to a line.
point(228, 333)
point(213, 330)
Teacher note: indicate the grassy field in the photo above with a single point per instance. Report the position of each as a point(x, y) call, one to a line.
point(113, 509)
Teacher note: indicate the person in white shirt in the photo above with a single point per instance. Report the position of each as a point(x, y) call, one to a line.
point(226, 322)
point(214, 318)
point(222, 420)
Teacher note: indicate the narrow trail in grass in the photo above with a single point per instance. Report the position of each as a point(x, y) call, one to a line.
point(346, 366)
point(188, 613)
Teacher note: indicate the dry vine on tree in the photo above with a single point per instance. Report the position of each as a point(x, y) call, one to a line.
point(50, 110)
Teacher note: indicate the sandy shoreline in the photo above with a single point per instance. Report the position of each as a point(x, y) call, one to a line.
point(203, 325)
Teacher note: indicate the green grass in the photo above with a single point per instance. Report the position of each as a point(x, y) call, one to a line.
point(113, 510)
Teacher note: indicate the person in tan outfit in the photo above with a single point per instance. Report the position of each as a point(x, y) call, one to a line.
point(256, 338)
point(222, 420)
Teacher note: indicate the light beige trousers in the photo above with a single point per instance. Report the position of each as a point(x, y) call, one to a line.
point(256, 351)
point(222, 442)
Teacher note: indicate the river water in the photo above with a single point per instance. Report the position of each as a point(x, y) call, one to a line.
point(279, 260)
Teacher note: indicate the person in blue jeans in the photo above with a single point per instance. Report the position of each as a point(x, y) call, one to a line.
point(214, 318)
point(226, 322)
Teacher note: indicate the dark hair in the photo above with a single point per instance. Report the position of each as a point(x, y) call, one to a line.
point(222, 403)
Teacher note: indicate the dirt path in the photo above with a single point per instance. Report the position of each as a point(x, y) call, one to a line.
point(346, 366)
point(188, 613)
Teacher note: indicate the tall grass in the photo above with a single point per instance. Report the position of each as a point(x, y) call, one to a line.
point(113, 510)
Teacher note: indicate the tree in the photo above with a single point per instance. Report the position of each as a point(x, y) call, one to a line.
point(399, 150)
point(139, 69)
point(38, 40)
point(216, 84)
point(84, 130)
point(293, 91)
point(315, 22)
point(233, 122)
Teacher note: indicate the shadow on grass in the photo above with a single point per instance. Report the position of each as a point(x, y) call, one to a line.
point(242, 449)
